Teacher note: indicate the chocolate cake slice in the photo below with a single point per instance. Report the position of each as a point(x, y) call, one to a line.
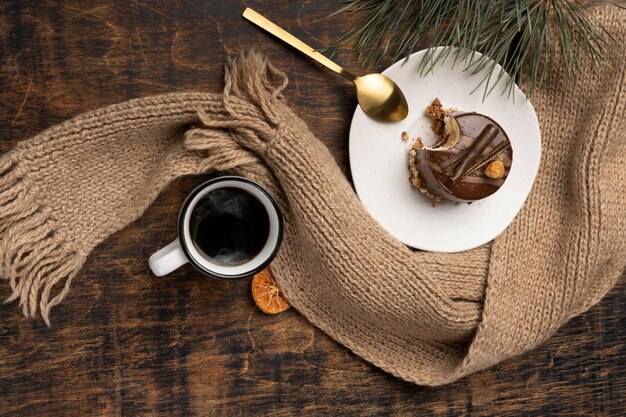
point(470, 160)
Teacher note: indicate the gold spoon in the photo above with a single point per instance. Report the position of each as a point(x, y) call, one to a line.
point(378, 96)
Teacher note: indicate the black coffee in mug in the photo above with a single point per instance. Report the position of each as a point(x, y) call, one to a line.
point(229, 226)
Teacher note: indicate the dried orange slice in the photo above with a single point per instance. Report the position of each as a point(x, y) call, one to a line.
point(266, 294)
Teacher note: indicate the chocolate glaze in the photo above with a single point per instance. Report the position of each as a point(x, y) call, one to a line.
point(436, 168)
point(470, 157)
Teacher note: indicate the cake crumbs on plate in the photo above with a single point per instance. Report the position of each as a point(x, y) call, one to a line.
point(436, 113)
point(417, 143)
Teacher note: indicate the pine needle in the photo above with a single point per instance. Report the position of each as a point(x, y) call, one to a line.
point(514, 33)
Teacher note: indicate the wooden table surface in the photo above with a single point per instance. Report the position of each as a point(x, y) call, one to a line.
point(125, 342)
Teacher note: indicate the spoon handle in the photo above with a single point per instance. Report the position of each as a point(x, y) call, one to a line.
point(288, 38)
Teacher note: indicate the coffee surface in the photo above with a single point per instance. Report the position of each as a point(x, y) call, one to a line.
point(229, 226)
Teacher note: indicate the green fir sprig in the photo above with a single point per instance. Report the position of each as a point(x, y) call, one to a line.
point(520, 35)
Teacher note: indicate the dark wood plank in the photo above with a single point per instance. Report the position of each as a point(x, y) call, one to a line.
point(125, 342)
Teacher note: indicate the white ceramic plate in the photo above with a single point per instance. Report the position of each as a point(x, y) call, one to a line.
point(379, 160)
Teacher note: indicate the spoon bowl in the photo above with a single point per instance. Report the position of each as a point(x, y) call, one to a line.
point(381, 98)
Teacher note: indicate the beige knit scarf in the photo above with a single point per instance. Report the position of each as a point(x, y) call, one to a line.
point(429, 318)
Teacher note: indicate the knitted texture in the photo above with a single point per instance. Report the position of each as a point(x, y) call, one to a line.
point(429, 318)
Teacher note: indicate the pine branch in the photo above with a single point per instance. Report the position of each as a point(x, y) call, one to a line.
point(514, 33)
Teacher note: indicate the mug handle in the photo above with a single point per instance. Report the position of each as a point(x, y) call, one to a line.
point(167, 259)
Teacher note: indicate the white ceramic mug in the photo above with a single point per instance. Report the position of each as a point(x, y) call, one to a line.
point(182, 250)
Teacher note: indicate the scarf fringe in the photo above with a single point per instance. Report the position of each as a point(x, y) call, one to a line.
point(252, 79)
point(33, 258)
point(254, 109)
